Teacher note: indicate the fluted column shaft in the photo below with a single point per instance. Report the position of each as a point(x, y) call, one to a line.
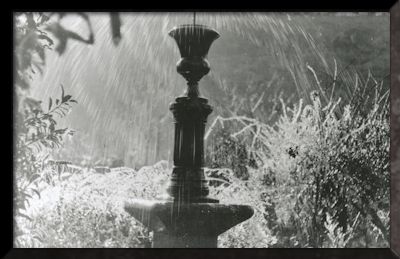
point(187, 180)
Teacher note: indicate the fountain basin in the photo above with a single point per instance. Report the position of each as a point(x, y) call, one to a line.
point(182, 225)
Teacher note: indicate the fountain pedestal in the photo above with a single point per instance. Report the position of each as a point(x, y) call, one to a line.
point(188, 217)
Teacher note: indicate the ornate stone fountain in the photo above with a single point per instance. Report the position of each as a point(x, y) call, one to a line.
point(188, 217)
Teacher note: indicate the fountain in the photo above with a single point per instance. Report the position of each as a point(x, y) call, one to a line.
point(187, 217)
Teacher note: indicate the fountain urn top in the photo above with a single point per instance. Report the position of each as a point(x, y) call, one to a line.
point(194, 42)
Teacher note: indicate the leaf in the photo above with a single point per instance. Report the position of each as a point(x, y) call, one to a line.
point(38, 66)
point(45, 37)
point(62, 92)
point(58, 113)
point(115, 27)
point(59, 32)
point(50, 103)
point(22, 207)
point(47, 117)
point(66, 98)
point(44, 143)
point(60, 131)
point(33, 178)
point(52, 121)
point(73, 101)
point(61, 112)
point(63, 35)
point(51, 128)
point(27, 202)
point(65, 107)
point(38, 238)
point(24, 215)
point(31, 22)
point(41, 53)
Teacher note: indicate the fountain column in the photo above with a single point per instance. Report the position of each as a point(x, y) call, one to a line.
point(188, 217)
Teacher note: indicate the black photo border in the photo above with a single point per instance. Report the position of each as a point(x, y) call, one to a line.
point(354, 253)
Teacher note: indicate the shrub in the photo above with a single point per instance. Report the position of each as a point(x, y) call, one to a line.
point(317, 161)
point(36, 137)
point(86, 209)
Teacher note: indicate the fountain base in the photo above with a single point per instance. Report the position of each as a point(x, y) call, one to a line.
point(187, 225)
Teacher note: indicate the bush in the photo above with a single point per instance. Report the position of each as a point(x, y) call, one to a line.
point(36, 137)
point(314, 162)
point(35, 129)
point(86, 209)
